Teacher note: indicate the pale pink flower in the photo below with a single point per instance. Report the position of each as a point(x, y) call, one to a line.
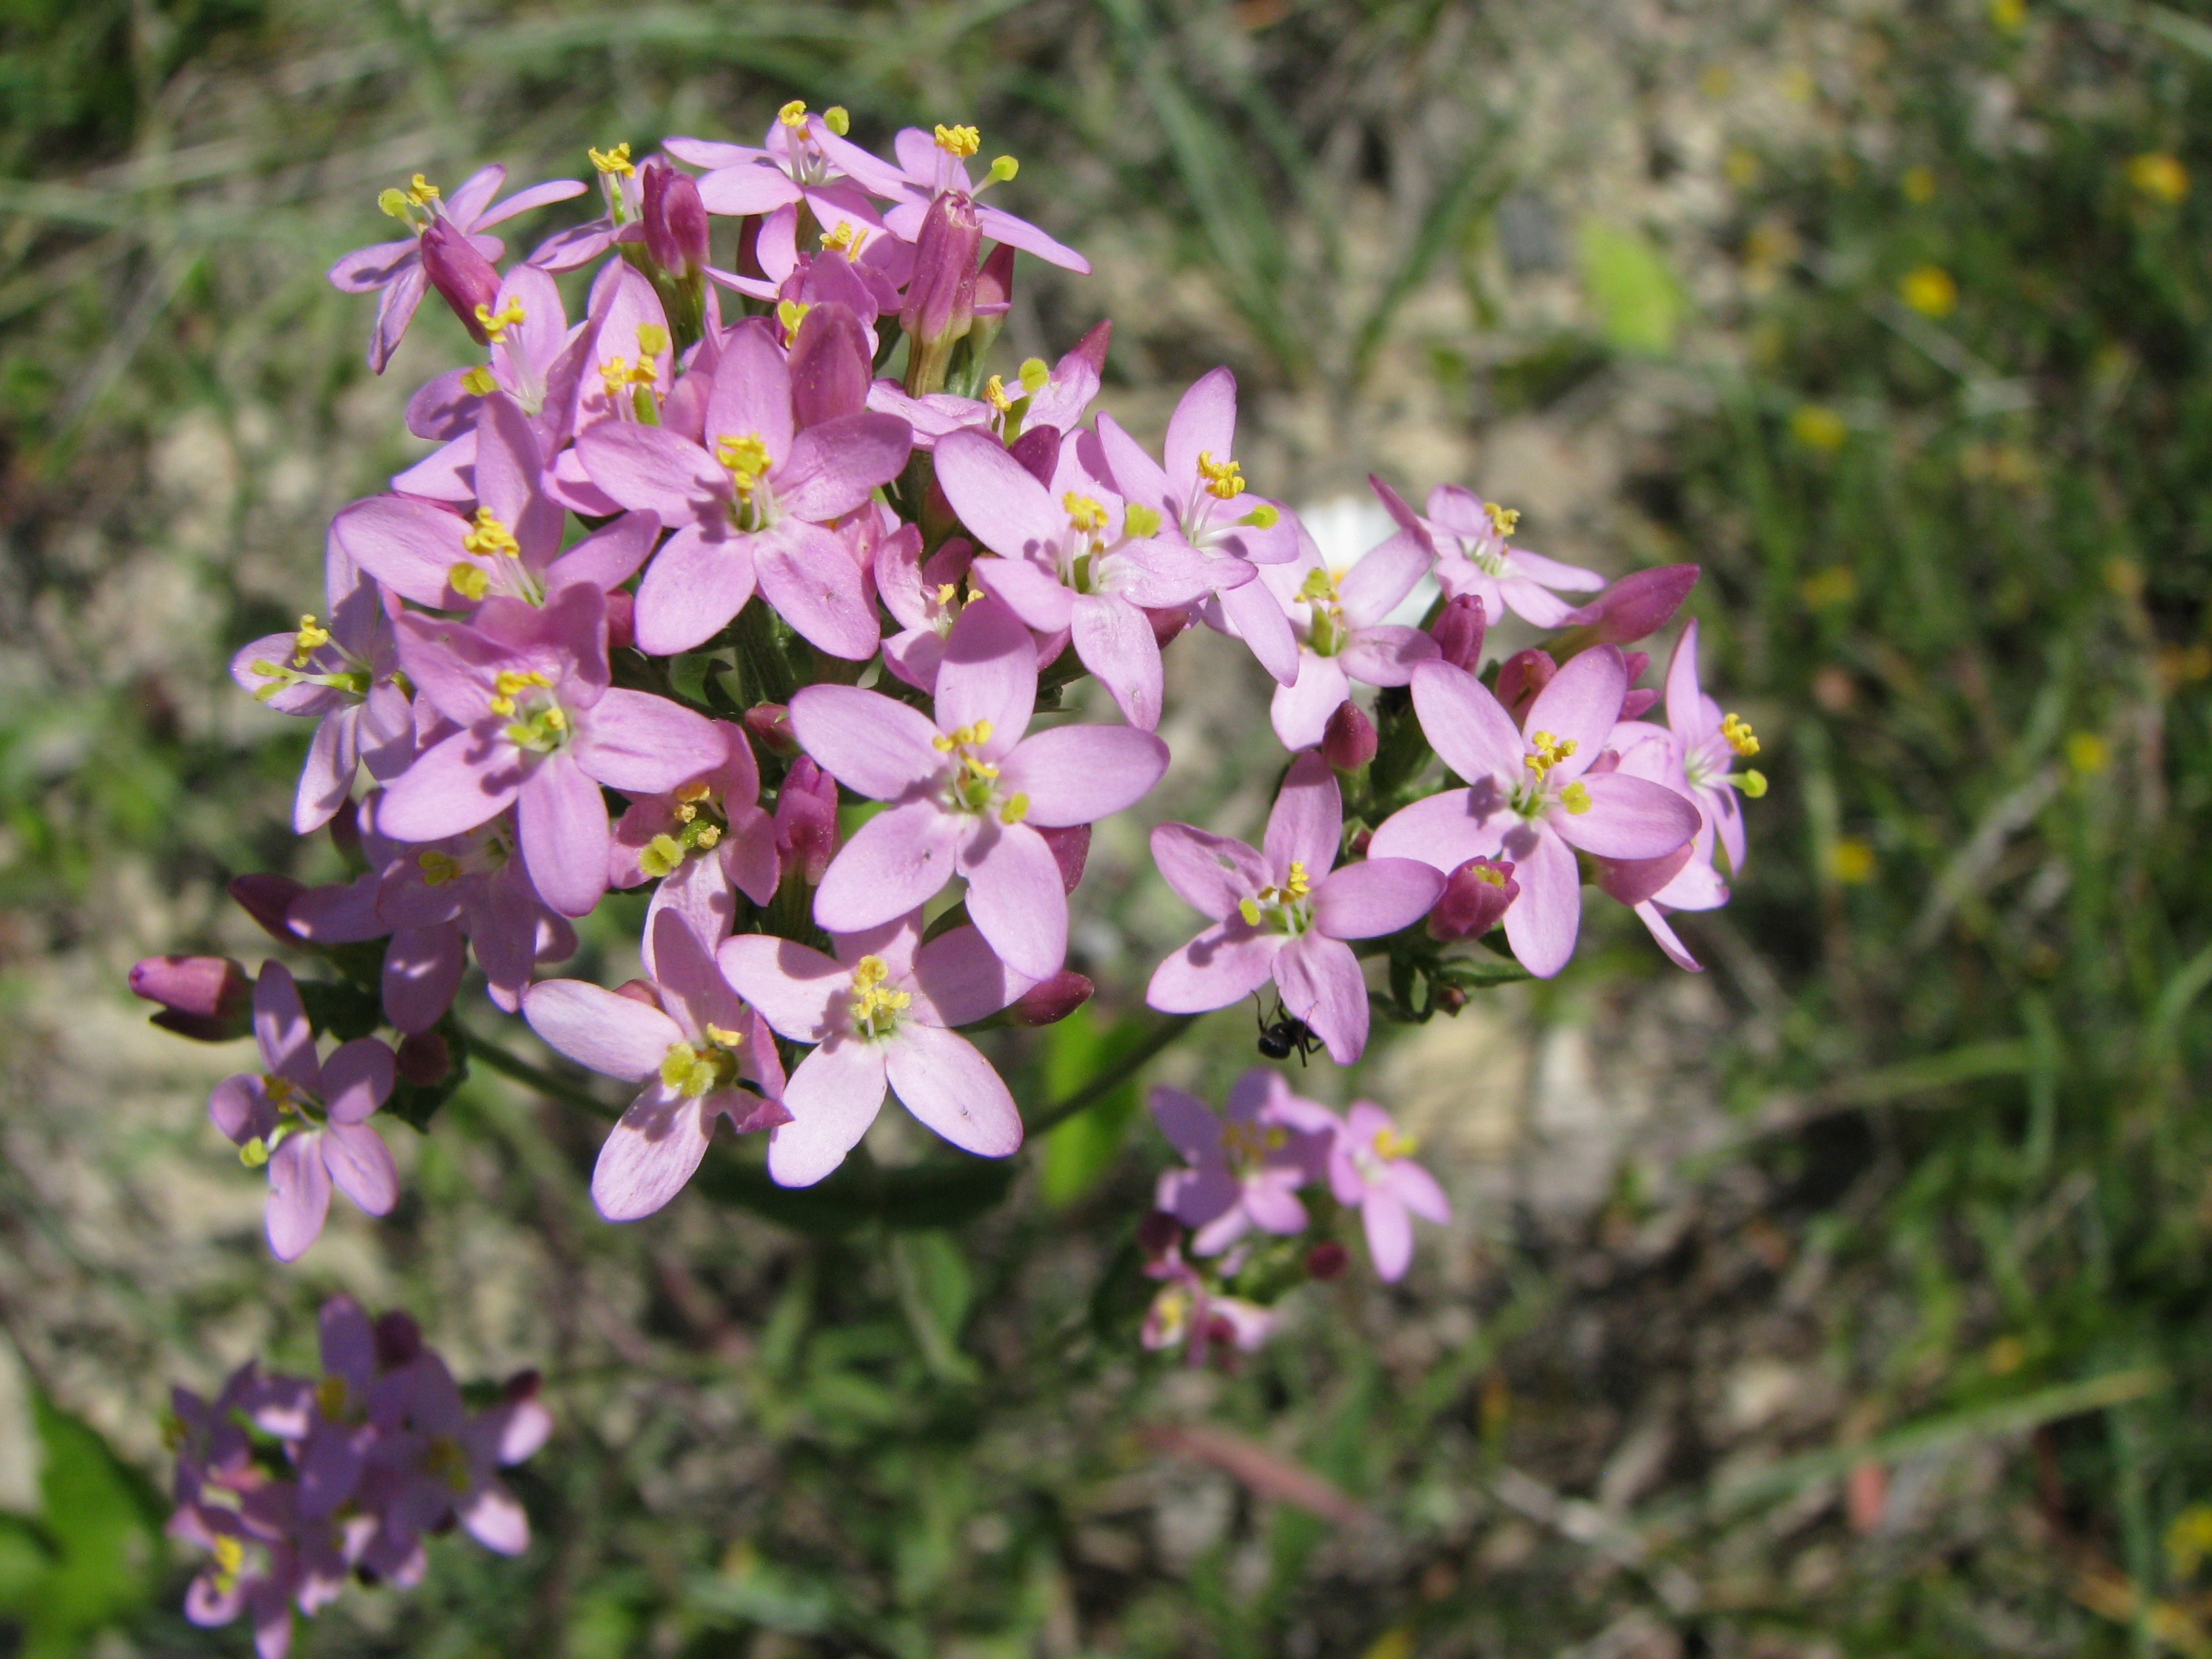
point(1245, 1166)
point(1370, 1166)
point(1339, 615)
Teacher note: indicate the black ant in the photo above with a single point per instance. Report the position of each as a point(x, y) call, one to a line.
point(1284, 1033)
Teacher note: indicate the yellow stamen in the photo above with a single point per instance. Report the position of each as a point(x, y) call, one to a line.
point(254, 1153)
point(660, 856)
point(1502, 519)
point(723, 1037)
point(1490, 873)
point(478, 382)
point(1549, 751)
point(792, 114)
point(962, 142)
point(845, 239)
point(510, 685)
point(438, 868)
point(1739, 734)
point(1319, 587)
point(1296, 886)
point(618, 372)
point(708, 836)
point(1388, 1143)
point(1084, 512)
point(491, 537)
point(1225, 480)
point(994, 393)
point(945, 591)
point(790, 313)
point(613, 161)
point(747, 458)
point(421, 190)
point(871, 998)
point(468, 582)
point(496, 324)
point(311, 635)
point(229, 1560)
point(1017, 806)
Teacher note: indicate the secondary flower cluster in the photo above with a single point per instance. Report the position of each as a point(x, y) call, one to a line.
point(750, 584)
point(293, 1485)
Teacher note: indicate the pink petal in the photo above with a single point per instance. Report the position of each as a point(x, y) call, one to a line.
point(751, 391)
point(833, 1097)
point(1541, 924)
point(357, 1079)
point(1002, 227)
point(1209, 872)
point(1685, 703)
point(1320, 983)
point(1273, 1205)
point(610, 555)
point(1445, 830)
point(1009, 511)
point(651, 468)
point(608, 1034)
point(833, 465)
point(956, 977)
point(1664, 936)
point(421, 972)
point(394, 311)
point(1628, 817)
point(495, 1519)
point(453, 786)
point(1466, 725)
point(1257, 616)
point(361, 1163)
point(1227, 961)
point(805, 572)
point(407, 544)
point(988, 672)
point(943, 1080)
point(299, 1196)
point(865, 740)
point(1376, 896)
point(1418, 1190)
point(368, 269)
point(1187, 1122)
point(1205, 419)
point(1116, 643)
point(696, 582)
point(280, 1026)
point(1389, 1235)
point(899, 859)
point(1014, 896)
point(326, 780)
point(1532, 603)
point(1581, 705)
point(1077, 775)
point(1372, 589)
point(800, 992)
point(1027, 589)
point(1300, 712)
point(1306, 825)
point(1386, 654)
point(564, 835)
point(755, 185)
point(1134, 475)
point(649, 1155)
point(642, 744)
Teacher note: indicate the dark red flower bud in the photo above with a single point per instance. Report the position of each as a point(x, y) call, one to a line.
point(399, 1340)
point(1459, 633)
point(208, 999)
point(642, 991)
point(941, 298)
point(1635, 606)
point(1637, 703)
point(1051, 1000)
point(522, 1387)
point(622, 619)
point(770, 725)
point(1167, 625)
point(1348, 743)
point(1071, 850)
point(1361, 839)
point(1448, 999)
point(467, 281)
point(675, 220)
point(994, 294)
point(1475, 896)
point(423, 1059)
point(1636, 662)
point(1038, 449)
point(267, 898)
point(806, 821)
point(830, 365)
point(345, 828)
point(1158, 1233)
point(1328, 1260)
point(1521, 677)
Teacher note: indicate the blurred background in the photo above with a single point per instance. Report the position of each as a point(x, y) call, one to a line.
point(1849, 1298)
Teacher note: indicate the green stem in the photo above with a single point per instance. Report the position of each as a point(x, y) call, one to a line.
point(514, 1065)
point(1112, 1078)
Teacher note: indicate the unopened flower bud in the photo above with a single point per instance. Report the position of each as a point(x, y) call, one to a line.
point(522, 1387)
point(1459, 633)
point(1348, 743)
point(467, 281)
point(830, 365)
point(267, 898)
point(1636, 662)
point(806, 821)
point(675, 220)
point(345, 828)
point(1157, 1233)
point(1521, 677)
point(1071, 850)
point(1328, 1260)
point(1051, 1000)
point(208, 999)
point(1475, 896)
point(1637, 703)
point(399, 1340)
point(622, 619)
point(639, 991)
point(770, 723)
point(994, 294)
point(423, 1059)
point(1632, 607)
point(940, 299)
point(1167, 624)
point(1362, 839)
point(1038, 450)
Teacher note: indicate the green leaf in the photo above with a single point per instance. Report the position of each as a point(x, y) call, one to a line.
point(99, 1527)
point(940, 1193)
point(1638, 300)
point(1078, 1152)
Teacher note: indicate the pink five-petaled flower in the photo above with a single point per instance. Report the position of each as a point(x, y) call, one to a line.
point(791, 164)
point(968, 792)
point(1710, 744)
point(307, 1118)
point(881, 1013)
point(699, 840)
point(397, 267)
point(1342, 633)
point(1285, 912)
point(930, 166)
point(542, 728)
point(1473, 557)
point(1246, 1165)
point(690, 1046)
point(1188, 1310)
point(440, 1463)
point(1534, 799)
point(1075, 558)
point(748, 505)
point(1371, 1165)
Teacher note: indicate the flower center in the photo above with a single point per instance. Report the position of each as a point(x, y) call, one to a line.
point(535, 720)
point(615, 161)
point(1533, 796)
point(1327, 631)
point(974, 785)
point(1225, 480)
point(411, 206)
point(297, 1110)
point(876, 1003)
point(444, 1458)
point(693, 1070)
point(700, 823)
point(962, 142)
point(1249, 1144)
point(229, 1562)
point(311, 638)
point(1284, 910)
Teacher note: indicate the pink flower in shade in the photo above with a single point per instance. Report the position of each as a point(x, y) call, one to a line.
point(1057, 398)
point(1533, 800)
point(749, 504)
point(881, 1013)
point(929, 167)
point(396, 267)
point(336, 668)
point(687, 1039)
point(1074, 560)
point(1338, 615)
point(699, 840)
point(1473, 557)
point(1370, 1166)
point(1186, 1310)
point(926, 596)
point(1246, 1165)
point(968, 792)
point(1200, 496)
point(307, 1118)
point(1284, 912)
point(440, 1463)
point(541, 728)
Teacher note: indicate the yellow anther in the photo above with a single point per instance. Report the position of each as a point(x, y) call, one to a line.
point(613, 161)
point(837, 120)
point(792, 114)
point(870, 972)
point(490, 536)
point(746, 457)
point(1739, 734)
point(1033, 374)
point(873, 999)
point(1388, 1143)
point(1548, 752)
point(1017, 806)
point(421, 190)
point(688, 1072)
point(1502, 519)
point(660, 856)
point(962, 142)
point(982, 731)
point(1576, 797)
point(554, 719)
point(254, 1153)
point(1249, 909)
point(942, 744)
point(1225, 480)
point(279, 1088)
point(229, 1560)
point(790, 313)
point(1490, 873)
point(311, 635)
point(468, 581)
point(1003, 168)
point(1140, 521)
point(652, 339)
point(1296, 886)
point(330, 1396)
point(945, 591)
point(478, 382)
point(708, 836)
point(509, 685)
point(1752, 783)
point(1266, 516)
point(496, 324)
point(697, 790)
point(723, 1037)
point(994, 393)
point(438, 868)
point(1084, 512)
point(618, 372)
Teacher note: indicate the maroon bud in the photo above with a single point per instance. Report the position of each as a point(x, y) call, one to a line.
point(1158, 1233)
point(675, 220)
point(1071, 850)
point(1448, 999)
point(1328, 1260)
point(1362, 838)
point(1167, 624)
point(770, 725)
point(938, 520)
point(399, 1340)
point(468, 281)
point(1092, 348)
point(1049, 1001)
point(748, 263)
point(1459, 632)
point(639, 991)
point(806, 821)
point(521, 1387)
point(1348, 743)
point(345, 828)
point(207, 999)
point(622, 619)
point(940, 299)
point(829, 365)
point(1636, 662)
point(1038, 449)
point(267, 898)
point(423, 1059)
point(1521, 677)
point(994, 294)
point(1476, 896)
point(1637, 703)
point(1635, 606)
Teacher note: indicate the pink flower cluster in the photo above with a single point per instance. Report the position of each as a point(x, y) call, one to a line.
point(293, 1485)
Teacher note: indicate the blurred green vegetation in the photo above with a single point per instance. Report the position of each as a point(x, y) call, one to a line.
point(1932, 407)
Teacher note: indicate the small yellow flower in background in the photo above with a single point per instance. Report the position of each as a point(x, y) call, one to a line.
point(2087, 753)
point(1850, 861)
point(1833, 586)
point(2159, 176)
point(1715, 79)
point(2008, 13)
point(1918, 184)
point(1930, 290)
point(1817, 427)
point(2189, 1540)
point(1741, 167)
